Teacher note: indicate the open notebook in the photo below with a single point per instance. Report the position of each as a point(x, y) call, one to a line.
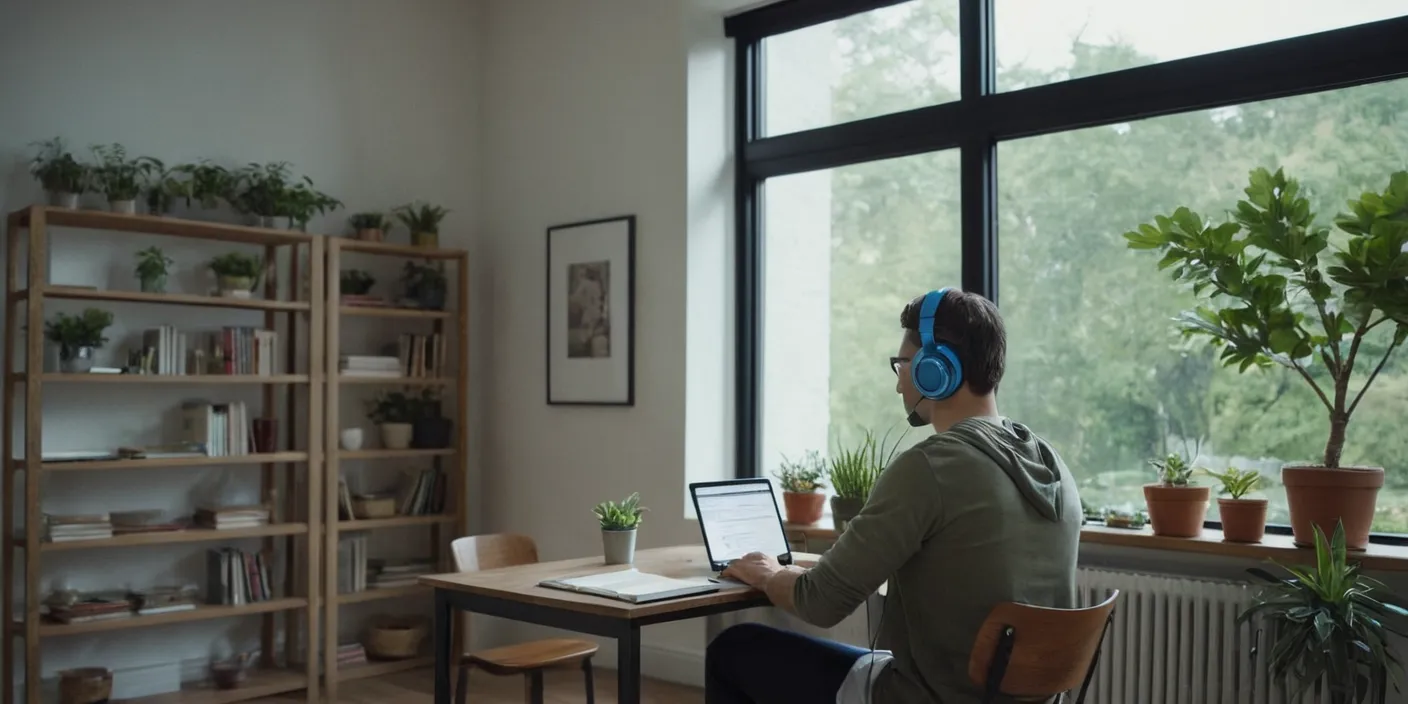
point(632, 585)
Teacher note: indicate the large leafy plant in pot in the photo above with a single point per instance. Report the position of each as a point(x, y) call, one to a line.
point(1277, 292)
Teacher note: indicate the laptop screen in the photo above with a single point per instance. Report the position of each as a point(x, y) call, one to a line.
point(739, 517)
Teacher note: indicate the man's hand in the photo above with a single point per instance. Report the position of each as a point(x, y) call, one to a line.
point(753, 569)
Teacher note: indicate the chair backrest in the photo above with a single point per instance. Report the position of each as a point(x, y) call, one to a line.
point(1051, 649)
point(487, 552)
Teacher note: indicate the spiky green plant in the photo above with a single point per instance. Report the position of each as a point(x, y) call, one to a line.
point(421, 217)
point(1174, 470)
point(626, 515)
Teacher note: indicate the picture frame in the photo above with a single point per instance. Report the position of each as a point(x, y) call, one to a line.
point(590, 312)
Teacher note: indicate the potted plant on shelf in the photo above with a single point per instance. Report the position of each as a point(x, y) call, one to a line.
point(1271, 300)
point(63, 178)
point(1176, 505)
point(430, 429)
point(355, 282)
point(120, 178)
point(1332, 626)
point(618, 528)
point(393, 413)
point(802, 487)
point(423, 220)
point(164, 189)
point(302, 201)
point(207, 184)
point(370, 227)
point(153, 266)
point(425, 285)
point(1243, 519)
point(261, 193)
point(236, 273)
point(77, 337)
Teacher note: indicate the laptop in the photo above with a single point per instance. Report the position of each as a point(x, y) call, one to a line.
point(737, 517)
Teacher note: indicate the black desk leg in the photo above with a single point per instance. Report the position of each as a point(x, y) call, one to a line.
point(628, 666)
point(444, 618)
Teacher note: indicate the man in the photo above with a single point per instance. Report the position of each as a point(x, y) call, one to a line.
point(981, 512)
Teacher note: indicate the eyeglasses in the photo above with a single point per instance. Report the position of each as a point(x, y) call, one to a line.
point(896, 363)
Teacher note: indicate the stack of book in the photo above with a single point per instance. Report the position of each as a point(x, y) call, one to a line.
point(422, 355)
point(60, 529)
point(234, 577)
point(164, 352)
point(389, 574)
point(370, 366)
point(220, 429)
point(352, 563)
point(232, 517)
point(244, 350)
point(427, 494)
point(100, 606)
point(350, 655)
point(129, 522)
point(163, 600)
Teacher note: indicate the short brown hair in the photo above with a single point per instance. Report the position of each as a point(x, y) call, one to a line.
point(972, 327)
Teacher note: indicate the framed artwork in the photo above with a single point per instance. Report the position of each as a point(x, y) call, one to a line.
point(591, 302)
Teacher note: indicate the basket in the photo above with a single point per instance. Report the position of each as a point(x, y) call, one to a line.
point(373, 506)
point(395, 637)
point(85, 685)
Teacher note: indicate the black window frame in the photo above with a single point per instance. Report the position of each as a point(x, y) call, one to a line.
point(983, 117)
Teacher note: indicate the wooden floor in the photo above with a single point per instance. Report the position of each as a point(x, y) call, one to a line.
point(562, 687)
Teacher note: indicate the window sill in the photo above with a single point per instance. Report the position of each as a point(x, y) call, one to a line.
point(1378, 558)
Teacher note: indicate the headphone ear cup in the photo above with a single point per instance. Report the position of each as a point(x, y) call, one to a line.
point(930, 375)
point(945, 358)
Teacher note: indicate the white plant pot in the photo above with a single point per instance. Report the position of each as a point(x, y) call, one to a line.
point(396, 436)
point(63, 199)
point(351, 439)
point(619, 546)
point(127, 207)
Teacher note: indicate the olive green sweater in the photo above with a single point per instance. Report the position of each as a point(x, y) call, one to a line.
point(983, 513)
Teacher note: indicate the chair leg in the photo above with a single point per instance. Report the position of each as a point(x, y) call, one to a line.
point(462, 685)
point(533, 687)
point(997, 669)
point(587, 675)
point(1094, 660)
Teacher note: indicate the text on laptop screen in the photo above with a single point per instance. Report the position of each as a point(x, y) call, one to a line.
point(739, 519)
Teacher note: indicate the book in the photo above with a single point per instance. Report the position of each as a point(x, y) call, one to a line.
point(632, 585)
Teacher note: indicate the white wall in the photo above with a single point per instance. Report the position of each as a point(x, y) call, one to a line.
point(376, 101)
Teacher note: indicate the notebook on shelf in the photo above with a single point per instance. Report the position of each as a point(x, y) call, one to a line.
point(632, 585)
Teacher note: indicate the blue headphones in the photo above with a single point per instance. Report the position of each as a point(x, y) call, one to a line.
point(935, 369)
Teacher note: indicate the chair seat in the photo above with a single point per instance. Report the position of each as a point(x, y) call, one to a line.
point(523, 657)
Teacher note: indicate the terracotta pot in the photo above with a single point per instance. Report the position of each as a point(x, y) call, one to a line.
point(371, 234)
point(1177, 511)
point(1243, 520)
point(1324, 497)
point(803, 509)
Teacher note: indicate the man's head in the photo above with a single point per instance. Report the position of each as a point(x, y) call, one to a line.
point(972, 328)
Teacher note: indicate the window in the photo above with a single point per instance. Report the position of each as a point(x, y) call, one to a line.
point(1077, 121)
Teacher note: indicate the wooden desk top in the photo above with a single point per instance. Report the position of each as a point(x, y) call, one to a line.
point(520, 583)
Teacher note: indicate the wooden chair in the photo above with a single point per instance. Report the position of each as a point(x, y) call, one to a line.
point(487, 552)
point(1033, 653)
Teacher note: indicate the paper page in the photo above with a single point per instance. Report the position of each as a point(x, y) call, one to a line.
point(630, 582)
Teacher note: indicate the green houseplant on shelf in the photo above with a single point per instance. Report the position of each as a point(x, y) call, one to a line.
point(1331, 626)
point(355, 282)
point(261, 192)
point(619, 522)
point(153, 266)
point(121, 178)
point(237, 273)
point(77, 336)
point(393, 412)
point(802, 487)
point(370, 227)
point(1176, 506)
point(423, 220)
point(1277, 292)
point(163, 189)
point(302, 201)
point(207, 184)
point(1243, 519)
point(430, 429)
point(61, 176)
point(425, 285)
point(854, 470)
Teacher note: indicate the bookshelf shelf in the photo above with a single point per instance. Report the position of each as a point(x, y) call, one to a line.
point(290, 476)
point(448, 357)
point(203, 612)
point(189, 535)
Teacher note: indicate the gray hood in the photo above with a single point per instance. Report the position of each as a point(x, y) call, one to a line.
point(1029, 462)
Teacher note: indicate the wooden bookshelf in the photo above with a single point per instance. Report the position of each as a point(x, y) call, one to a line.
point(290, 478)
point(452, 522)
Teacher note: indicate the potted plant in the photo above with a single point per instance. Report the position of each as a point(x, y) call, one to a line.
point(1332, 626)
point(425, 285)
point(430, 429)
point(370, 227)
point(618, 528)
point(393, 413)
point(163, 190)
point(261, 192)
point(1271, 300)
point(853, 474)
point(802, 487)
point(1243, 520)
point(120, 178)
point(153, 266)
point(423, 220)
point(301, 201)
point(236, 273)
point(208, 183)
point(1176, 505)
point(77, 337)
point(355, 282)
point(63, 178)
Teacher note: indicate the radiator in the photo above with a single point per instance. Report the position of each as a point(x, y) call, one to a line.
point(1177, 641)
